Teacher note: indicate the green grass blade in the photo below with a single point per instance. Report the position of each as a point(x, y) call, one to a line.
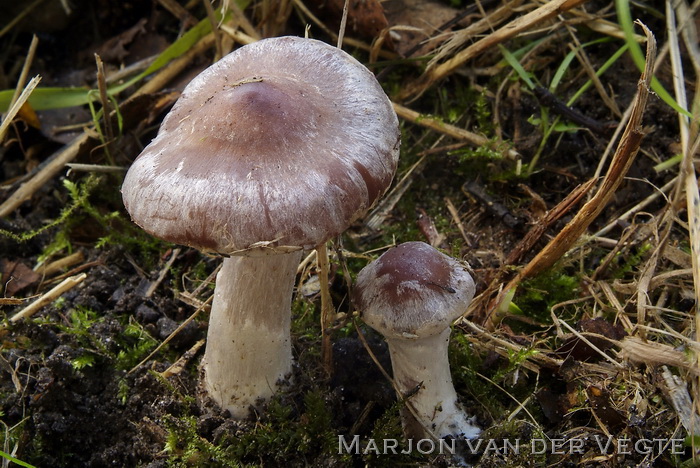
point(515, 64)
point(62, 97)
point(608, 63)
point(14, 460)
point(624, 17)
point(564, 65)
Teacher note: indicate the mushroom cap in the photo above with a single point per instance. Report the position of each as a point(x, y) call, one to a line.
point(413, 291)
point(278, 146)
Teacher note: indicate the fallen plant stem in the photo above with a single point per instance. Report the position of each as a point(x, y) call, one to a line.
point(621, 162)
point(56, 164)
point(60, 264)
point(14, 109)
point(50, 296)
point(518, 25)
point(172, 335)
point(450, 130)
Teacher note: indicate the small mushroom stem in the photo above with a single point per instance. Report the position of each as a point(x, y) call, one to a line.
point(249, 351)
point(422, 374)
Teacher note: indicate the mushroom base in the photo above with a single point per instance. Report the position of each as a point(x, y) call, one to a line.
point(249, 351)
point(422, 374)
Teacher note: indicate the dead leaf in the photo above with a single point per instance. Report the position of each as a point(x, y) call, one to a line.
point(601, 333)
point(115, 49)
point(17, 276)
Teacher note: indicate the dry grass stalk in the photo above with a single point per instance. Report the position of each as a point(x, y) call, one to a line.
point(352, 42)
point(60, 264)
point(552, 216)
point(622, 160)
point(15, 108)
point(179, 365)
point(457, 39)
point(690, 143)
point(450, 130)
point(645, 278)
point(202, 307)
point(81, 142)
point(163, 272)
point(104, 100)
point(510, 30)
point(29, 59)
point(50, 296)
point(46, 173)
point(640, 351)
point(378, 215)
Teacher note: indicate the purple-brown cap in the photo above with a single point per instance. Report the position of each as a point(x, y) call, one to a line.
point(413, 290)
point(278, 146)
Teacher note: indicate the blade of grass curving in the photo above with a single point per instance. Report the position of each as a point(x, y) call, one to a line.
point(17, 105)
point(14, 460)
point(608, 63)
point(515, 64)
point(61, 97)
point(624, 156)
point(624, 17)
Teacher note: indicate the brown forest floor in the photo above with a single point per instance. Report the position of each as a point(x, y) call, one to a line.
point(584, 330)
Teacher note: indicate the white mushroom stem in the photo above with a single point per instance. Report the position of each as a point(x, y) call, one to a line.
point(424, 362)
point(249, 351)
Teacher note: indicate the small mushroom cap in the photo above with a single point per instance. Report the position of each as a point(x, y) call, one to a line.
point(413, 290)
point(278, 146)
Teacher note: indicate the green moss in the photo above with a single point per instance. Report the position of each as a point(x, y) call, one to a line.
point(536, 296)
point(464, 364)
point(282, 434)
point(627, 262)
point(186, 448)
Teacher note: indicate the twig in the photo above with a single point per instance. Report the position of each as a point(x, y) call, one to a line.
point(622, 160)
point(175, 67)
point(404, 399)
point(636, 208)
point(450, 130)
point(60, 264)
point(214, 30)
point(25, 71)
point(58, 162)
point(106, 105)
point(95, 168)
point(347, 40)
point(50, 296)
point(343, 24)
point(172, 335)
point(12, 112)
point(559, 107)
point(180, 364)
point(164, 271)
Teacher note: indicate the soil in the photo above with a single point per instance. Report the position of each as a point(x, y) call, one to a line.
point(72, 392)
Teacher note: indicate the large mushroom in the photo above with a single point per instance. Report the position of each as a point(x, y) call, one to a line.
point(411, 294)
point(276, 148)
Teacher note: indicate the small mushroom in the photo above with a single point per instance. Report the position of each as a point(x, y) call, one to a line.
point(276, 148)
point(411, 294)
